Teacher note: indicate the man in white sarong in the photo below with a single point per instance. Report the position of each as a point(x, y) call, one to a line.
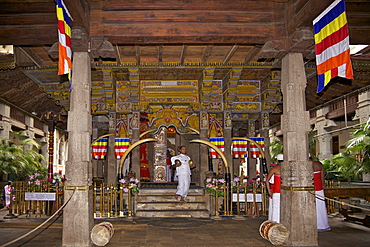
point(321, 213)
point(274, 191)
point(271, 182)
point(181, 162)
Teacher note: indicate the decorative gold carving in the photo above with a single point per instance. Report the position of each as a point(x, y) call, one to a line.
point(7, 63)
point(160, 174)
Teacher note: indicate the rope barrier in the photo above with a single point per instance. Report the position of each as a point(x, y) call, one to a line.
point(56, 212)
point(340, 202)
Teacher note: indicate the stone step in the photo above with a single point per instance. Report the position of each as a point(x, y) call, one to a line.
point(164, 206)
point(198, 213)
point(167, 198)
point(168, 191)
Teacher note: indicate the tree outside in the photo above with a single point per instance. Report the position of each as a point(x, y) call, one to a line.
point(354, 162)
point(21, 157)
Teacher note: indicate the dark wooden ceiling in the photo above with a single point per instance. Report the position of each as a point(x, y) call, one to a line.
point(221, 34)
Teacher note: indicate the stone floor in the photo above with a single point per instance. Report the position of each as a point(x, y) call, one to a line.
point(177, 232)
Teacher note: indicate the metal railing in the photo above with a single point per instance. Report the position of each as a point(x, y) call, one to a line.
point(239, 200)
point(118, 201)
point(20, 204)
point(112, 201)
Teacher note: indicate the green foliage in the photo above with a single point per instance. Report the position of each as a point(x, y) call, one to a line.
point(348, 162)
point(276, 147)
point(20, 159)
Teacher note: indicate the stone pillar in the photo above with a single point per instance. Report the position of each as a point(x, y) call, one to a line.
point(78, 214)
point(298, 210)
point(135, 153)
point(228, 141)
point(44, 145)
point(323, 126)
point(265, 120)
point(111, 171)
point(5, 125)
point(251, 161)
point(204, 156)
point(30, 132)
point(96, 169)
point(363, 109)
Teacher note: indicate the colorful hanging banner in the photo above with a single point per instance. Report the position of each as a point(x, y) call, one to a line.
point(254, 151)
point(120, 146)
point(64, 35)
point(332, 44)
point(240, 149)
point(218, 142)
point(99, 149)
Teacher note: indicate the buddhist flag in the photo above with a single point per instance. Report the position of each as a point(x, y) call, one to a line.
point(240, 148)
point(254, 150)
point(99, 149)
point(218, 142)
point(64, 35)
point(120, 146)
point(332, 44)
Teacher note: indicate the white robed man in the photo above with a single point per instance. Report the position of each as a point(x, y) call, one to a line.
point(183, 164)
point(321, 213)
point(273, 189)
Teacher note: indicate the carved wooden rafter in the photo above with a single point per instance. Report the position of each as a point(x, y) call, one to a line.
point(206, 53)
point(183, 54)
point(230, 54)
point(137, 54)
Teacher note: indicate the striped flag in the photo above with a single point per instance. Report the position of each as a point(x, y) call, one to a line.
point(99, 149)
point(332, 44)
point(64, 35)
point(120, 146)
point(218, 142)
point(255, 152)
point(240, 148)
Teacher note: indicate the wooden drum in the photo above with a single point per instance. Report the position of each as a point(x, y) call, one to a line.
point(274, 232)
point(102, 233)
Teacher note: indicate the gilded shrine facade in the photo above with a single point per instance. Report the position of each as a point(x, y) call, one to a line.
point(189, 102)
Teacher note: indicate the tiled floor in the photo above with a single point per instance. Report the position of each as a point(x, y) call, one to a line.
point(161, 232)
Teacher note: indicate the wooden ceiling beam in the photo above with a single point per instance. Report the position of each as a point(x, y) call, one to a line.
point(252, 53)
point(183, 54)
point(265, 16)
point(30, 54)
point(118, 54)
point(80, 13)
point(18, 7)
point(230, 54)
point(24, 19)
point(29, 35)
point(206, 53)
point(137, 54)
point(237, 5)
point(201, 39)
point(186, 32)
point(160, 54)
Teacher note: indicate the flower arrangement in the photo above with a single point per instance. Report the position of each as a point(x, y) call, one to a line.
point(35, 181)
point(131, 184)
point(57, 178)
point(214, 185)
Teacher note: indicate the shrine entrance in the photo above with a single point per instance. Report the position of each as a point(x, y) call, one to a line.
point(160, 153)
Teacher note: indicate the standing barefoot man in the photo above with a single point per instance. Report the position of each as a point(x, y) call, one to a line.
point(183, 164)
